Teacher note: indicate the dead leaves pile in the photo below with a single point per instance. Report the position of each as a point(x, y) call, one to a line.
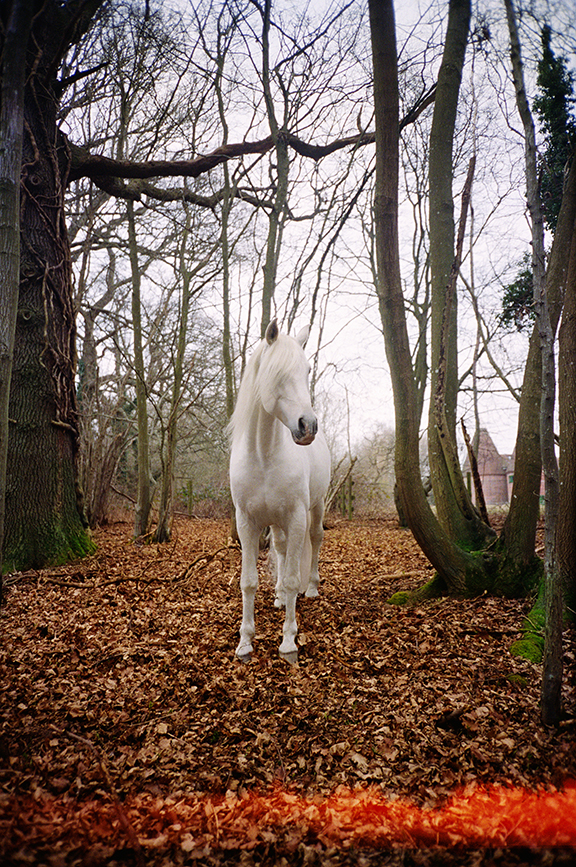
point(126, 724)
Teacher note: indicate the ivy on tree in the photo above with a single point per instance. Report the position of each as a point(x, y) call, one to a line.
point(553, 108)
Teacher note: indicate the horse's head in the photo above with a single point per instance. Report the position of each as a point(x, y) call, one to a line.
point(284, 388)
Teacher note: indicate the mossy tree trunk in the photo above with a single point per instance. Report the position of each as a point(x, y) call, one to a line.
point(566, 529)
point(44, 510)
point(457, 570)
point(13, 59)
point(455, 510)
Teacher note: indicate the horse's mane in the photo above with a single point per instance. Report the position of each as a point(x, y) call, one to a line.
point(266, 365)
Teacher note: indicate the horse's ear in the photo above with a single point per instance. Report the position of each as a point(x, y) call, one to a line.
point(272, 331)
point(303, 335)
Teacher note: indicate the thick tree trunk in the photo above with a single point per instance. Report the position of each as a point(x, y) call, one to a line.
point(44, 511)
point(566, 529)
point(552, 673)
point(11, 129)
point(455, 510)
point(458, 572)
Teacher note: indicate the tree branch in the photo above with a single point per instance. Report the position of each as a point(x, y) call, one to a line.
point(107, 173)
point(96, 167)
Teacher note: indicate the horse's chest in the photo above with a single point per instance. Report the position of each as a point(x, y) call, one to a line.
point(267, 488)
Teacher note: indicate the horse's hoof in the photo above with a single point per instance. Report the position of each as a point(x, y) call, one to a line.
point(291, 657)
point(244, 657)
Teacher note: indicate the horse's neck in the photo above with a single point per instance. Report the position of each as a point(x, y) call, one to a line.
point(264, 433)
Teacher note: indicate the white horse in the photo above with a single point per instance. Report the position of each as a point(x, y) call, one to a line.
point(275, 482)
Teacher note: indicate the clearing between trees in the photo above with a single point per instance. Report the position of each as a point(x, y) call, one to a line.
point(131, 734)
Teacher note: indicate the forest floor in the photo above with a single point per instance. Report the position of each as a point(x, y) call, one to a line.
point(129, 733)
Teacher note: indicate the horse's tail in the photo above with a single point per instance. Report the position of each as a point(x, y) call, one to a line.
point(306, 558)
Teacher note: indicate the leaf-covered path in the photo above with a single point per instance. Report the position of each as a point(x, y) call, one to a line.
point(121, 698)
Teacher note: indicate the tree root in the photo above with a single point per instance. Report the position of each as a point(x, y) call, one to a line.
point(433, 589)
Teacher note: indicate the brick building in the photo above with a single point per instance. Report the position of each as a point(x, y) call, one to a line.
point(496, 471)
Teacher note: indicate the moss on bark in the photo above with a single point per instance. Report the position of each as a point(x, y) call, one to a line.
point(530, 647)
point(487, 572)
point(433, 589)
point(51, 545)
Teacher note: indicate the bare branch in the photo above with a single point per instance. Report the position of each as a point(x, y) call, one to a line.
point(86, 165)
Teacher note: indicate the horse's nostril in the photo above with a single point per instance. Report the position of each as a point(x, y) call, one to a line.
point(302, 426)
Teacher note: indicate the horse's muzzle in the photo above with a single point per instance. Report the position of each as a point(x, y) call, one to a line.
point(307, 430)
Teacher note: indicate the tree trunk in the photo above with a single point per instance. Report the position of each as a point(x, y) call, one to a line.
point(519, 533)
point(455, 510)
point(457, 570)
point(105, 428)
point(44, 509)
point(566, 529)
point(144, 495)
point(562, 580)
point(165, 507)
point(275, 218)
point(552, 673)
point(11, 130)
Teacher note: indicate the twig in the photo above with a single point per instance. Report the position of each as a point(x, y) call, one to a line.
point(207, 557)
point(51, 578)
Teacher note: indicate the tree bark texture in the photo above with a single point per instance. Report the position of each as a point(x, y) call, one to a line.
point(17, 29)
point(455, 510)
point(552, 668)
point(44, 511)
point(566, 529)
point(457, 569)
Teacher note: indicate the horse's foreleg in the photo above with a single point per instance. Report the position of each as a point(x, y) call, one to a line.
point(279, 545)
point(316, 536)
point(289, 649)
point(294, 543)
point(248, 583)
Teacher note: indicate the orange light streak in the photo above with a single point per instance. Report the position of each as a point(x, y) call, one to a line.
point(477, 817)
